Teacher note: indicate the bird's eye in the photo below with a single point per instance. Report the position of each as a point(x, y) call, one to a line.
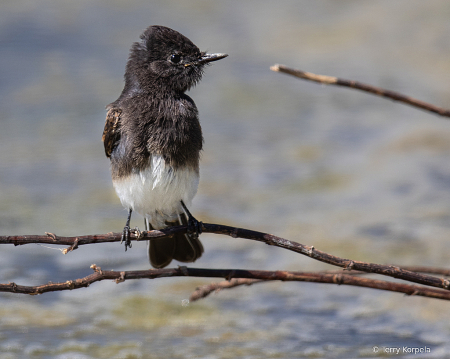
point(175, 58)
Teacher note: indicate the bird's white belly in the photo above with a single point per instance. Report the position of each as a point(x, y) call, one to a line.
point(156, 192)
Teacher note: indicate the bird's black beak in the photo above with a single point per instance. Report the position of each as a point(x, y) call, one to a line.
point(207, 58)
point(211, 57)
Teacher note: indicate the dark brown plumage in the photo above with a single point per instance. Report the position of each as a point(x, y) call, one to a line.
point(153, 138)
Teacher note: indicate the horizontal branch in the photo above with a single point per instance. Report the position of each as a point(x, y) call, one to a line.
point(310, 251)
point(229, 274)
point(331, 80)
point(75, 242)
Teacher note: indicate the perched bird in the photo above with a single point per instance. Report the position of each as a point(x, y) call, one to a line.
point(153, 138)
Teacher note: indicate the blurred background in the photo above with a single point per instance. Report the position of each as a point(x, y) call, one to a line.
point(354, 175)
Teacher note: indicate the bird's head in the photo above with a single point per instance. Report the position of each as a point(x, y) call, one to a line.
point(166, 59)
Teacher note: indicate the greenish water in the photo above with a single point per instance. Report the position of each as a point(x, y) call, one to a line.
point(354, 175)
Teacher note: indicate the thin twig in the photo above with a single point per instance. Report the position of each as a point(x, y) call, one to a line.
point(331, 80)
point(205, 290)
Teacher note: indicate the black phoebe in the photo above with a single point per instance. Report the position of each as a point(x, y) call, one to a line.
point(153, 138)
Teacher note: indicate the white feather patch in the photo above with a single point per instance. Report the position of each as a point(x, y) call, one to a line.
point(157, 191)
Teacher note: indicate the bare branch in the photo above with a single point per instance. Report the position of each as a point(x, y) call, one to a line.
point(391, 271)
point(323, 277)
point(246, 277)
point(331, 80)
point(429, 270)
point(310, 251)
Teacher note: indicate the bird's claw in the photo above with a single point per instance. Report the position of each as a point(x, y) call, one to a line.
point(126, 237)
point(194, 226)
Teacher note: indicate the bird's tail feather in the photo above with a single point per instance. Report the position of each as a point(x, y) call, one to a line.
point(182, 247)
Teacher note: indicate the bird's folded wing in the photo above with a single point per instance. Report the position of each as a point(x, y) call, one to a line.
point(111, 133)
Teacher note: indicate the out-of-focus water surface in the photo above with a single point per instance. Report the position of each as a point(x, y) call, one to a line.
point(354, 175)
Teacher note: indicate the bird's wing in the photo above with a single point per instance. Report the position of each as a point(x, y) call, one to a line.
point(111, 133)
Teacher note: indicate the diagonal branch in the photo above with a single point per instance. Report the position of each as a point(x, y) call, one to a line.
point(310, 251)
point(331, 80)
point(391, 271)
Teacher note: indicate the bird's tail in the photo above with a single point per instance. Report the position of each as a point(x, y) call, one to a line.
point(182, 247)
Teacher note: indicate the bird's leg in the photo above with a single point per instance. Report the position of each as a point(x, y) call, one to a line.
point(194, 226)
point(126, 232)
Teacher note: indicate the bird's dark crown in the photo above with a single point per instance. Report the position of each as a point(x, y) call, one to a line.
point(163, 59)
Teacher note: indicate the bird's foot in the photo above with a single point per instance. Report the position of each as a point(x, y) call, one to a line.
point(126, 237)
point(194, 226)
point(127, 232)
